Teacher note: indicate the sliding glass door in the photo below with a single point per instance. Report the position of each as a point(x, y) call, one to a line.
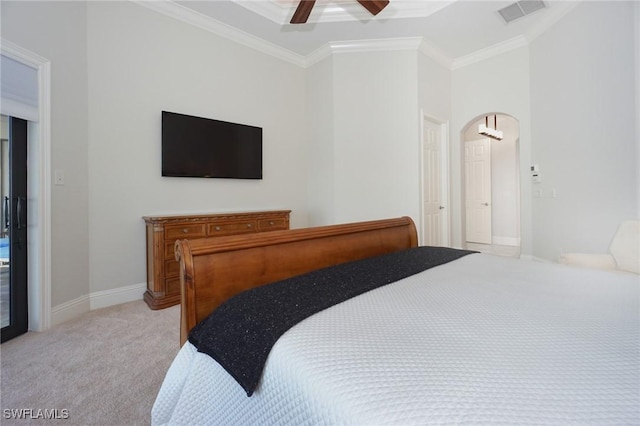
point(13, 227)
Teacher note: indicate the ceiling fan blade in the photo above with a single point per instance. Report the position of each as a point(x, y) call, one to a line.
point(302, 12)
point(374, 6)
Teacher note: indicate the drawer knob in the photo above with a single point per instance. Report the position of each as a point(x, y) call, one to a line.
point(217, 228)
point(271, 223)
point(185, 231)
point(249, 225)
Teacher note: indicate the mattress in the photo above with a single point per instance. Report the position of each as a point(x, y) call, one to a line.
point(480, 340)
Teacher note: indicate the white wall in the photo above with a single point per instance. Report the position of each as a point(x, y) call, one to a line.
point(501, 85)
point(376, 131)
point(142, 62)
point(505, 217)
point(365, 125)
point(57, 31)
point(434, 88)
point(583, 115)
point(636, 19)
point(321, 181)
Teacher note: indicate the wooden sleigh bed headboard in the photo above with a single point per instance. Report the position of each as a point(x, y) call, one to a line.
point(215, 269)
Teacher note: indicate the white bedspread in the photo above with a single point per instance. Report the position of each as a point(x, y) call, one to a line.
point(480, 340)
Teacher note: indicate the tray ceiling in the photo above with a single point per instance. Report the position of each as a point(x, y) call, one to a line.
point(452, 29)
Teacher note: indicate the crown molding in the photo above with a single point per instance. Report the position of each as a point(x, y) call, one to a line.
point(281, 13)
point(379, 45)
point(489, 52)
point(556, 12)
point(359, 46)
point(375, 45)
point(318, 55)
point(436, 54)
point(207, 23)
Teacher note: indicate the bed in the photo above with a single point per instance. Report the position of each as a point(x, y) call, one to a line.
point(479, 339)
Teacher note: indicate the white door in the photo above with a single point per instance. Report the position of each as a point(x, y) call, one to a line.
point(477, 171)
point(432, 208)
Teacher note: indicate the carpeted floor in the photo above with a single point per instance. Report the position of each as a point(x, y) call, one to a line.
point(104, 368)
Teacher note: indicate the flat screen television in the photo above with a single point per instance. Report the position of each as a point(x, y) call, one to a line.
point(203, 147)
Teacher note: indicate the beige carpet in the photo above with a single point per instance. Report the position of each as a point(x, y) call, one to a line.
point(105, 368)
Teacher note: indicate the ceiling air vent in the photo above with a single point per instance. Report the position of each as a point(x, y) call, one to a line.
point(519, 9)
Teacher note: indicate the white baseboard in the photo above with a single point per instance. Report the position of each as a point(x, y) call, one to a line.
point(102, 299)
point(542, 260)
point(505, 241)
point(99, 299)
point(70, 310)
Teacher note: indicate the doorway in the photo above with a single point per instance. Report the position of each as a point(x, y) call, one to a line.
point(491, 187)
point(478, 202)
point(434, 184)
point(13, 227)
point(27, 76)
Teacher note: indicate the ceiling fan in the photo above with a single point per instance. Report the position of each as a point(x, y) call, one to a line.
point(303, 10)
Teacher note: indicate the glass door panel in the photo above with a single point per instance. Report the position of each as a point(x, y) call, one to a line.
point(13, 227)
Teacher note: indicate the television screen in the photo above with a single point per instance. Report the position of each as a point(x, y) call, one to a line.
point(203, 147)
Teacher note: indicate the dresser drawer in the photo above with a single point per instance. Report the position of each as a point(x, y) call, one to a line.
point(231, 228)
point(171, 268)
point(272, 224)
point(170, 251)
point(172, 285)
point(190, 230)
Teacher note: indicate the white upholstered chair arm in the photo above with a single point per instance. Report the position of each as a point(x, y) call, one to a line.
point(625, 247)
point(587, 260)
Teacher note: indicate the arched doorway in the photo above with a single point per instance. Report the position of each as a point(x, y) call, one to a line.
point(491, 186)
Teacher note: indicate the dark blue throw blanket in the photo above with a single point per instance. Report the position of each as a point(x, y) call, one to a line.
point(240, 333)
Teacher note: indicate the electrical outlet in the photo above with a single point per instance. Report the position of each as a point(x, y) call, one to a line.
point(58, 177)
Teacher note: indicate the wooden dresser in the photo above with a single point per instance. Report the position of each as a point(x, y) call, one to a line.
point(163, 271)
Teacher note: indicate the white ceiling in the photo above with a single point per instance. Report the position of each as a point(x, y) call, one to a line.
point(453, 29)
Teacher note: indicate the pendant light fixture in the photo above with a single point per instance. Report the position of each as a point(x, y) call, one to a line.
point(485, 130)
